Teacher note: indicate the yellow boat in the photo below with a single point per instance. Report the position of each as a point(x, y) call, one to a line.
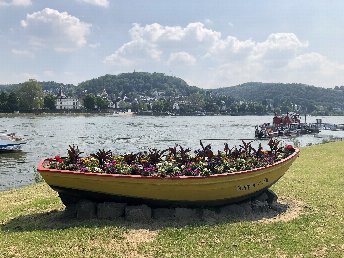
point(187, 191)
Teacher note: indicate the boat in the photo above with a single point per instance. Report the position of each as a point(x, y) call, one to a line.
point(179, 191)
point(123, 113)
point(10, 142)
point(286, 125)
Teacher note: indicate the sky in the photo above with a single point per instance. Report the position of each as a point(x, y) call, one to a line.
point(209, 44)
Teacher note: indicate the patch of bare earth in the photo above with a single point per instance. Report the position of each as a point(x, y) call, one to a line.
point(290, 209)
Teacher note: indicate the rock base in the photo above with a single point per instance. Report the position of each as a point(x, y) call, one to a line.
point(266, 203)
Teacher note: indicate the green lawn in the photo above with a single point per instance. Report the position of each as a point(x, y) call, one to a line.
point(32, 222)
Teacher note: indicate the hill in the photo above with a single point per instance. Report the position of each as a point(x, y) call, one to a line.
point(308, 98)
point(138, 83)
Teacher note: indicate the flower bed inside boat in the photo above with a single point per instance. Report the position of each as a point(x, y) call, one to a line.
point(174, 162)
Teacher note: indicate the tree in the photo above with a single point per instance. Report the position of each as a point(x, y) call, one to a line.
point(89, 101)
point(102, 103)
point(30, 95)
point(49, 102)
point(3, 101)
point(123, 105)
point(12, 102)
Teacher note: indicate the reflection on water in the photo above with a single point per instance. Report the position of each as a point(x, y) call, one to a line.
point(12, 168)
point(49, 135)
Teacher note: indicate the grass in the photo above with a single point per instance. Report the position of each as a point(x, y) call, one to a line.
point(32, 222)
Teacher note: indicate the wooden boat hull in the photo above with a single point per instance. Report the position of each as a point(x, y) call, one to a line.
point(185, 191)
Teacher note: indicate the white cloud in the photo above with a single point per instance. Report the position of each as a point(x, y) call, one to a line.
point(181, 58)
point(208, 59)
point(57, 30)
point(22, 53)
point(319, 70)
point(15, 3)
point(308, 60)
point(133, 52)
point(102, 3)
point(160, 34)
point(278, 47)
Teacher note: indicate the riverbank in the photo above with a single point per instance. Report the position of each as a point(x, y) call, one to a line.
point(32, 222)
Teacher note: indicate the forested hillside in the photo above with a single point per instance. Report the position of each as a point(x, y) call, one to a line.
point(308, 98)
point(138, 83)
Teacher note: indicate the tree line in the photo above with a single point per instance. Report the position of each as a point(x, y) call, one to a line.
point(160, 94)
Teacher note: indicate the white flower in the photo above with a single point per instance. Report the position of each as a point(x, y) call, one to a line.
point(96, 169)
point(176, 169)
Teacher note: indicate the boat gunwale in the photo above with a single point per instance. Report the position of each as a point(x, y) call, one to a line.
point(41, 168)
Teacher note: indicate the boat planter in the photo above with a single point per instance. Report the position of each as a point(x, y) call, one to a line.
point(183, 191)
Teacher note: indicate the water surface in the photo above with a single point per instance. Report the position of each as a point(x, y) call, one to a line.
point(50, 135)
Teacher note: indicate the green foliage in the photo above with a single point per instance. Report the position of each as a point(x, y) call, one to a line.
point(284, 97)
point(157, 93)
point(101, 103)
point(89, 101)
point(49, 102)
point(8, 102)
point(137, 83)
point(30, 95)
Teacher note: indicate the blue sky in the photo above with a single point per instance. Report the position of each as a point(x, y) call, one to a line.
point(209, 44)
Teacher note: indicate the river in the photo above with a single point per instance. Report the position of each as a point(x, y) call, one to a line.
point(50, 135)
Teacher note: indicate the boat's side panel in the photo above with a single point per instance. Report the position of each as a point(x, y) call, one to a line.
point(189, 190)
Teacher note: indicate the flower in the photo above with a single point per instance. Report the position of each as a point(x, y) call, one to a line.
point(176, 162)
point(58, 159)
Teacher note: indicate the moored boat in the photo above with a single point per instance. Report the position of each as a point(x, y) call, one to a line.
point(186, 191)
point(285, 125)
point(10, 142)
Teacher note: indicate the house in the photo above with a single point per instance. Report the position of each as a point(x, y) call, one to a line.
point(64, 102)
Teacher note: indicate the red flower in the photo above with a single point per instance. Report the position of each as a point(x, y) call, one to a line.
point(289, 147)
point(58, 159)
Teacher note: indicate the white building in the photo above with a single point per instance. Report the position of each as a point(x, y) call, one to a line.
point(64, 102)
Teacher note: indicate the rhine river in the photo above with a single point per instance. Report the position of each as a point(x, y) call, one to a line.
point(50, 135)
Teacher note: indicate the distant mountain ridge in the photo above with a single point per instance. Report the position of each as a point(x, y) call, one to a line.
point(299, 94)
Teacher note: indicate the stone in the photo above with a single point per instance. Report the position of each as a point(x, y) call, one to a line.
point(70, 211)
point(186, 214)
point(163, 213)
point(232, 211)
point(262, 197)
point(138, 213)
point(277, 207)
point(86, 209)
point(272, 197)
point(209, 215)
point(258, 206)
point(110, 210)
point(247, 207)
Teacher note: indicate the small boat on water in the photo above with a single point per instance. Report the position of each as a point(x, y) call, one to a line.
point(185, 191)
point(10, 142)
